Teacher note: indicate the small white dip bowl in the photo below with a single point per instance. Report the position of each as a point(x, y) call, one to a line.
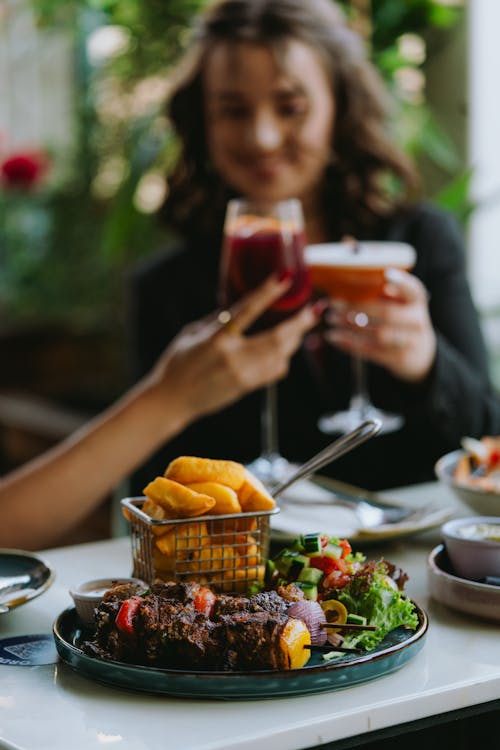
point(88, 594)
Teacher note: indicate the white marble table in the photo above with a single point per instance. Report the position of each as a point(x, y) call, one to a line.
point(458, 667)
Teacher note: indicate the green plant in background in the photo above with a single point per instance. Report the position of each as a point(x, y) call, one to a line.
point(104, 215)
point(401, 36)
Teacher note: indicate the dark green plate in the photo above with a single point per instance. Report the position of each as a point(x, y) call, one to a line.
point(316, 677)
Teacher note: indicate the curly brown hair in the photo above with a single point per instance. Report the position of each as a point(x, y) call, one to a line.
point(369, 176)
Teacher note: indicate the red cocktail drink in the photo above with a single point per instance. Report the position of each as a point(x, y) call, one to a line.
point(260, 241)
point(256, 247)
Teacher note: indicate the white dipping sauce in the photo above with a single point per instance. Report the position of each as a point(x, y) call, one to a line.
point(488, 531)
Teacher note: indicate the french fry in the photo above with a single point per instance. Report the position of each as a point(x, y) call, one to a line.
point(226, 499)
point(178, 501)
point(249, 553)
point(253, 496)
point(190, 469)
point(216, 559)
point(224, 552)
point(184, 540)
point(157, 513)
point(162, 563)
point(229, 538)
point(235, 580)
point(246, 525)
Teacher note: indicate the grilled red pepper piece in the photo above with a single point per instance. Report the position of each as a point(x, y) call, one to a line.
point(204, 601)
point(125, 617)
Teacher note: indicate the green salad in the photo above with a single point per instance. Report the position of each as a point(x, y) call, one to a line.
point(353, 592)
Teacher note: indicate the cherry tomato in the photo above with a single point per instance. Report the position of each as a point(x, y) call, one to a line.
point(326, 564)
point(493, 458)
point(337, 579)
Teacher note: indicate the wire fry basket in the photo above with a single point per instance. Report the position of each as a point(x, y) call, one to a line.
point(225, 552)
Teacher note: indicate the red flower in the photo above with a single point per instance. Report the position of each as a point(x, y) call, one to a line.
point(23, 170)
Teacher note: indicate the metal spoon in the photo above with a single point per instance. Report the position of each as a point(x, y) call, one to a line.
point(10, 585)
point(338, 448)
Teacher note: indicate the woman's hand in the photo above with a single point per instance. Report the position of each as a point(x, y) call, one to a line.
point(211, 364)
point(208, 365)
point(395, 331)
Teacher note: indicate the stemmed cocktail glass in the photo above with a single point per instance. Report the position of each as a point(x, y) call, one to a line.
point(354, 272)
point(260, 240)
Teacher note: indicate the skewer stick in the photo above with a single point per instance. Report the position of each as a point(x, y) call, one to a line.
point(348, 626)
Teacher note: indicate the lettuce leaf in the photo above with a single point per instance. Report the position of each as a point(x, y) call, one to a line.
point(372, 595)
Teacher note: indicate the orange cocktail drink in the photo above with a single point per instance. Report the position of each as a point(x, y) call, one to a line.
point(356, 273)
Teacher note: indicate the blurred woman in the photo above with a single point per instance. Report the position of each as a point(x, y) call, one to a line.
point(208, 365)
point(276, 99)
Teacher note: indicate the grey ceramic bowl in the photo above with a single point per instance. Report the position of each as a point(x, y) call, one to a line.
point(470, 597)
point(480, 501)
point(472, 558)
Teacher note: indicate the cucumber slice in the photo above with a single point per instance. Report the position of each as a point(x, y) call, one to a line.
point(309, 589)
point(290, 563)
point(310, 575)
point(270, 567)
point(356, 619)
point(311, 544)
point(284, 561)
point(333, 550)
point(299, 564)
point(297, 545)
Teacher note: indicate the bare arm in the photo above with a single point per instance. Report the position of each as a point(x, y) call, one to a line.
point(205, 368)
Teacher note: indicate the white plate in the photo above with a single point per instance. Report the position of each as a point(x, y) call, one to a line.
point(311, 506)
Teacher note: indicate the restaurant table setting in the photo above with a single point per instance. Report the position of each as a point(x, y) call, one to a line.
point(456, 665)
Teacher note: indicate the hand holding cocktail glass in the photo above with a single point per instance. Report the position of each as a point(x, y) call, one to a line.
point(260, 240)
point(373, 318)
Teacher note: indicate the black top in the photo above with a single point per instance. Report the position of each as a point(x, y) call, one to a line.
point(180, 285)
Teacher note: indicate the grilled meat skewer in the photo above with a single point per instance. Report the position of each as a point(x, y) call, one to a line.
point(165, 628)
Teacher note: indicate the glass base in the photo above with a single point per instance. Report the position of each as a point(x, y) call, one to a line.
point(345, 421)
point(272, 469)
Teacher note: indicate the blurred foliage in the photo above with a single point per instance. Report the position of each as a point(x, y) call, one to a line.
point(85, 231)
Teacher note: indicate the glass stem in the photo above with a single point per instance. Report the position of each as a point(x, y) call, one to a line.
point(360, 400)
point(269, 422)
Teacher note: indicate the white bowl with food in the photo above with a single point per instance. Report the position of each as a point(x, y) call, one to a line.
point(88, 594)
point(473, 546)
point(473, 474)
